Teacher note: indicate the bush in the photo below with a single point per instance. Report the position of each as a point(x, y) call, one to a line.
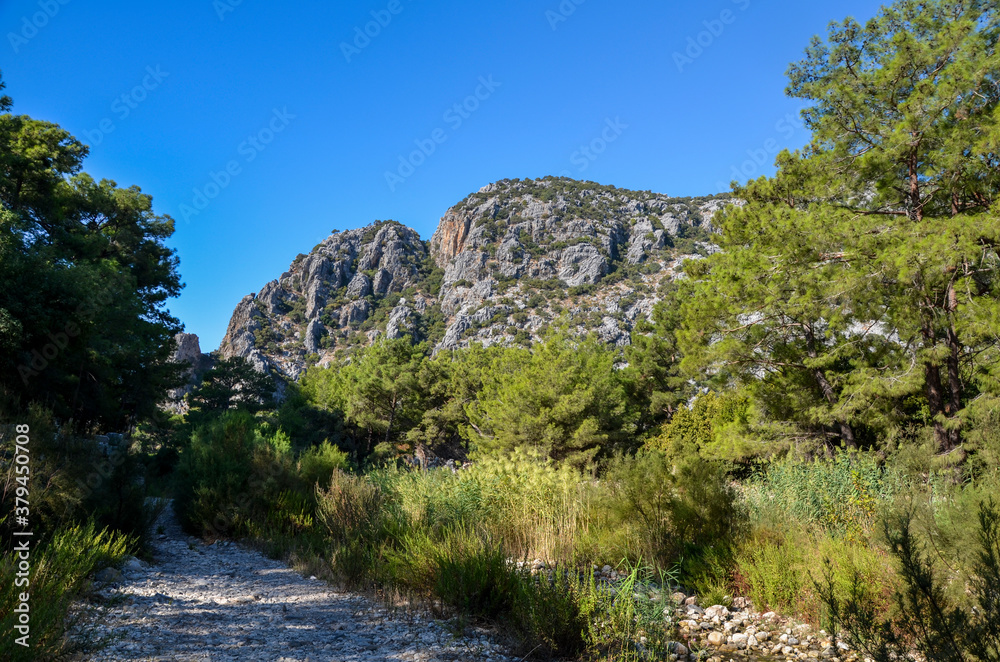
point(351, 508)
point(317, 465)
point(926, 621)
point(60, 570)
point(804, 513)
point(231, 481)
point(554, 613)
point(474, 576)
point(672, 513)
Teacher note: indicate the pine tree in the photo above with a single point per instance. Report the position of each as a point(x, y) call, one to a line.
point(866, 270)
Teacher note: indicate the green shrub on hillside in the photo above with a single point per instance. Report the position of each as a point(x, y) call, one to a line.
point(671, 513)
point(231, 476)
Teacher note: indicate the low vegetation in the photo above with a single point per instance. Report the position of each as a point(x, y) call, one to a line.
point(810, 418)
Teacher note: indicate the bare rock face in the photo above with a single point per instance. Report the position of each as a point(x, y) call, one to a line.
point(314, 333)
point(503, 265)
point(587, 242)
point(401, 321)
point(188, 354)
point(241, 336)
point(582, 264)
point(325, 298)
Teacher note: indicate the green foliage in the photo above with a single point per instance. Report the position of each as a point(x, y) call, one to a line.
point(86, 275)
point(231, 476)
point(474, 575)
point(714, 426)
point(73, 480)
point(925, 619)
point(306, 423)
point(689, 236)
point(318, 464)
point(554, 613)
point(843, 495)
point(382, 392)
point(431, 275)
point(232, 384)
point(864, 273)
point(60, 576)
point(350, 509)
point(672, 513)
point(563, 399)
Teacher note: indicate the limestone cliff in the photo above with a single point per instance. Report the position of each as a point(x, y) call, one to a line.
point(195, 364)
point(503, 265)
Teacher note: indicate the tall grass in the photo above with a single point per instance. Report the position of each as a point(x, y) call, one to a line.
point(925, 620)
point(825, 520)
point(468, 542)
point(539, 509)
point(88, 511)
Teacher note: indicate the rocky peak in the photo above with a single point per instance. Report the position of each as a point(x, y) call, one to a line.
point(504, 264)
point(326, 298)
point(188, 353)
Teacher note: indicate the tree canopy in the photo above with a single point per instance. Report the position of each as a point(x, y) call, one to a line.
point(83, 328)
point(859, 285)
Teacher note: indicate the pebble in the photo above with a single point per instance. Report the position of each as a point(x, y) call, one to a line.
point(224, 602)
point(721, 634)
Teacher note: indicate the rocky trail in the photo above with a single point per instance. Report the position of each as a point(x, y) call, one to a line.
point(221, 602)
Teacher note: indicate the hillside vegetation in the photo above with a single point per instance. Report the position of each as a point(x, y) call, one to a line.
point(798, 404)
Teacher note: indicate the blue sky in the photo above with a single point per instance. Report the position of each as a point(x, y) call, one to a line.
point(261, 127)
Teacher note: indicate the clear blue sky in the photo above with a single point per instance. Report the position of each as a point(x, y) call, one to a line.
point(186, 84)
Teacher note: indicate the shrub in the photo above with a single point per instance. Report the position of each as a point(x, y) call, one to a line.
point(671, 513)
point(554, 613)
point(317, 465)
point(841, 495)
point(474, 576)
point(926, 621)
point(59, 576)
point(350, 508)
point(231, 477)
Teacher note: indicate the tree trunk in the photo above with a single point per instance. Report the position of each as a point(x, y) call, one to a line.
point(846, 432)
point(392, 418)
point(935, 403)
point(916, 209)
point(935, 393)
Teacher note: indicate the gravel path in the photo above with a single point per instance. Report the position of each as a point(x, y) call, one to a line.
point(225, 602)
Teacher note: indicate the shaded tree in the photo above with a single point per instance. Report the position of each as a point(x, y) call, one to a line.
point(563, 399)
point(83, 328)
point(232, 384)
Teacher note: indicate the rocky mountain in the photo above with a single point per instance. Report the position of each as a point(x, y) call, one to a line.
point(504, 264)
point(188, 353)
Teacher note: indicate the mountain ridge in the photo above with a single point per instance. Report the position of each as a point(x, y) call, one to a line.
point(504, 264)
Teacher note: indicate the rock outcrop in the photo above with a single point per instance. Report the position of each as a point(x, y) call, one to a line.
point(188, 354)
point(504, 264)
